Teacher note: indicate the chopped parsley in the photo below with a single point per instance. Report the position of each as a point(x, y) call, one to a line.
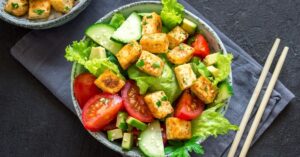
point(155, 65)
point(164, 98)
point(181, 47)
point(140, 63)
point(145, 22)
point(158, 103)
point(39, 11)
point(15, 5)
point(66, 8)
point(149, 17)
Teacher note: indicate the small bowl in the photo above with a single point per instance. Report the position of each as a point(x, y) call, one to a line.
point(145, 6)
point(55, 19)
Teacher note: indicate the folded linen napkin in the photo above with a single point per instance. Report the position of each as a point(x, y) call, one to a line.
point(42, 53)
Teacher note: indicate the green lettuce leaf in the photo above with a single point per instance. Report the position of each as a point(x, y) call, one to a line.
point(117, 20)
point(79, 51)
point(224, 65)
point(211, 123)
point(172, 13)
point(166, 82)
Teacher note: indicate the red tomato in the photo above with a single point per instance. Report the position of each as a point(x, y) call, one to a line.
point(188, 107)
point(84, 88)
point(201, 46)
point(134, 103)
point(110, 126)
point(100, 110)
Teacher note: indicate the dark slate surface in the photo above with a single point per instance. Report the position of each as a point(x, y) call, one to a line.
point(34, 123)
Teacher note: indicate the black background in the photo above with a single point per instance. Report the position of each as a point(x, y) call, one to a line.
point(34, 123)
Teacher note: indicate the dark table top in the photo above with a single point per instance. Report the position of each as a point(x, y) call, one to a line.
point(34, 123)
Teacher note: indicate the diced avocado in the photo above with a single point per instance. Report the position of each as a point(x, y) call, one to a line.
point(225, 91)
point(213, 70)
point(199, 68)
point(136, 123)
point(211, 59)
point(127, 141)
point(114, 134)
point(188, 26)
point(97, 52)
point(151, 143)
point(121, 120)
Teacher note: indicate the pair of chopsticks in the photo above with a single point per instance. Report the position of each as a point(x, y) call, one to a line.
point(254, 97)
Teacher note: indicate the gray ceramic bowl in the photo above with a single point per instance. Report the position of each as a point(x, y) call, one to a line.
point(145, 6)
point(55, 19)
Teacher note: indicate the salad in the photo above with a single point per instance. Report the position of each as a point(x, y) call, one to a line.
point(151, 81)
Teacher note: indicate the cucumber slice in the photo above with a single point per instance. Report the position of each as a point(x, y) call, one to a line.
point(130, 30)
point(136, 123)
point(151, 143)
point(188, 26)
point(225, 91)
point(114, 134)
point(121, 120)
point(215, 72)
point(127, 141)
point(101, 34)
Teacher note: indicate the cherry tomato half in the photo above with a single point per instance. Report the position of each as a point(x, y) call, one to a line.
point(188, 107)
point(201, 46)
point(134, 103)
point(84, 88)
point(100, 110)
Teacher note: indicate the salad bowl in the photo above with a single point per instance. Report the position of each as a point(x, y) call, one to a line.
point(214, 41)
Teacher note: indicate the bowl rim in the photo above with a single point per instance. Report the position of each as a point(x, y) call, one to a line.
point(103, 139)
point(31, 24)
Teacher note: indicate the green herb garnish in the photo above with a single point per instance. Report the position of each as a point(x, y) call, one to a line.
point(15, 5)
point(155, 65)
point(140, 63)
point(149, 17)
point(39, 11)
point(182, 149)
point(158, 103)
point(181, 47)
point(145, 22)
point(66, 8)
point(164, 98)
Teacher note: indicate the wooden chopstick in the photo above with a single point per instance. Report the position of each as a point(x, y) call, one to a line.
point(264, 102)
point(254, 97)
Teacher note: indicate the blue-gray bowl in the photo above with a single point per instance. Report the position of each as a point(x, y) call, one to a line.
point(145, 6)
point(55, 18)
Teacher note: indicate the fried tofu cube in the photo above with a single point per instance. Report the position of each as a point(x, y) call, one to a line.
point(39, 9)
point(63, 6)
point(16, 7)
point(150, 64)
point(129, 54)
point(185, 75)
point(178, 129)
point(151, 24)
point(204, 90)
point(176, 36)
point(155, 43)
point(158, 104)
point(109, 82)
point(180, 54)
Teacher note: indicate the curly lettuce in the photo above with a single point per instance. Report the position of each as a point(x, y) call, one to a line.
point(166, 82)
point(211, 123)
point(79, 51)
point(172, 13)
point(223, 63)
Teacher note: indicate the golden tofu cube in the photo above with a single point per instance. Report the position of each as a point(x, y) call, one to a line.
point(180, 54)
point(16, 7)
point(150, 64)
point(158, 104)
point(129, 54)
point(63, 6)
point(155, 43)
point(176, 36)
point(185, 75)
point(109, 82)
point(204, 90)
point(178, 129)
point(151, 24)
point(39, 9)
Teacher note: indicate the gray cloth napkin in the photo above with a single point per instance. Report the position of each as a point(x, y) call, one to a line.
point(42, 53)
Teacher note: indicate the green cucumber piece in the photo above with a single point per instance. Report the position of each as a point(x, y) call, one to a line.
point(130, 30)
point(101, 33)
point(225, 91)
point(97, 52)
point(151, 143)
point(188, 26)
point(136, 123)
point(215, 72)
point(121, 120)
point(114, 134)
point(211, 59)
point(127, 141)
